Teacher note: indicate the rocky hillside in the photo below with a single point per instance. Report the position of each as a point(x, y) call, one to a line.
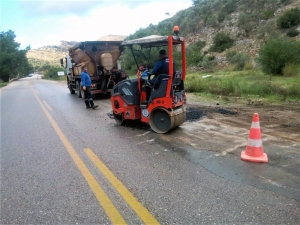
point(48, 55)
point(246, 42)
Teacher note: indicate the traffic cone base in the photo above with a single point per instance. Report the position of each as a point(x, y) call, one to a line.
point(245, 157)
point(254, 150)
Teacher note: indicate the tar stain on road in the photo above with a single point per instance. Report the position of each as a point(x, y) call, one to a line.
point(194, 114)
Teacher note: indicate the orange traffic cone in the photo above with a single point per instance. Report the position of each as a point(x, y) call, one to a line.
point(254, 150)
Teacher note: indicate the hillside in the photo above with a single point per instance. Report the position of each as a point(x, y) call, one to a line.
point(247, 28)
point(248, 23)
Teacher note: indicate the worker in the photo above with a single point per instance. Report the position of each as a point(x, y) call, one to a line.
point(86, 87)
point(142, 72)
point(161, 67)
point(117, 73)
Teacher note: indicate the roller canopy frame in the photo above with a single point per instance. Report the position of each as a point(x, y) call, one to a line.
point(153, 41)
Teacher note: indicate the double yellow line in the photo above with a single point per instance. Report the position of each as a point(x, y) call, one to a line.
point(111, 211)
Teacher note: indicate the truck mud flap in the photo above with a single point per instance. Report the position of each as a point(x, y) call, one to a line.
point(104, 84)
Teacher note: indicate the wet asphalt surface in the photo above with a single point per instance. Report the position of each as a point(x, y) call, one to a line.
point(179, 180)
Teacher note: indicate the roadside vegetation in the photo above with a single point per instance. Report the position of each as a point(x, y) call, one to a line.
point(3, 84)
point(52, 73)
point(249, 84)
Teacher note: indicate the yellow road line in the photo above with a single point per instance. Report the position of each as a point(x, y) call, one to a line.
point(140, 210)
point(103, 199)
point(47, 105)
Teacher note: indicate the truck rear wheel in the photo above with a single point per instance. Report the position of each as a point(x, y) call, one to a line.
point(71, 88)
point(78, 89)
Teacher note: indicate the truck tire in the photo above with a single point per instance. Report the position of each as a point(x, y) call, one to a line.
point(78, 89)
point(71, 88)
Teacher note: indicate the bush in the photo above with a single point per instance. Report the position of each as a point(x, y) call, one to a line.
point(221, 17)
point(285, 2)
point(265, 15)
point(238, 59)
point(267, 29)
point(277, 53)
point(229, 6)
point(193, 53)
point(292, 33)
point(207, 62)
point(290, 70)
point(221, 42)
point(247, 22)
point(289, 18)
point(52, 72)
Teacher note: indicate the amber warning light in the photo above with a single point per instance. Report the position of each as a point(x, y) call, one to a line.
point(176, 30)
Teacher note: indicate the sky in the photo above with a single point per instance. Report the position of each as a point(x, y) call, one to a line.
point(39, 23)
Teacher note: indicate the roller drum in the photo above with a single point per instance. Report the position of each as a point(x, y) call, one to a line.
point(163, 120)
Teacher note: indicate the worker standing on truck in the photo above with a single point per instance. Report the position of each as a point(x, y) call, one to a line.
point(86, 87)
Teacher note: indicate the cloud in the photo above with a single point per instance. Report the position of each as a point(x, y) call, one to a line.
point(54, 8)
point(36, 8)
point(94, 21)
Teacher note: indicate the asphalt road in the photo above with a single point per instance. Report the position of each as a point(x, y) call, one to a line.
point(64, 164)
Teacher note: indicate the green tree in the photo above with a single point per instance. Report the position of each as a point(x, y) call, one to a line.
point(13, 61)
point(277, 53)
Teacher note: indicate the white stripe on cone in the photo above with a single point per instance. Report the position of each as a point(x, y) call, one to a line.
point(254, 142)
point(255, 125)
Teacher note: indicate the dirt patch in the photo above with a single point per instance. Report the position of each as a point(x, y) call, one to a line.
point(283, 120)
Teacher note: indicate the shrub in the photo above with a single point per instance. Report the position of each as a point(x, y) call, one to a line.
point(292, 33)
point(52, 72)
point(267, 30)
point(289, 18)
point(248, 66)
point(265, 15)
point(194, 55)
point(229, 7)
point(207, 62)
point(285, 2)
point(221, 17)
point(246, 22)
point(277, 53)
point(210, 57)
point(238, 59)
point(290, 70)
point(221, 42)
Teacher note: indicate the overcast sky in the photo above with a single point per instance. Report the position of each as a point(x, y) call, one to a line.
point(46, 22)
